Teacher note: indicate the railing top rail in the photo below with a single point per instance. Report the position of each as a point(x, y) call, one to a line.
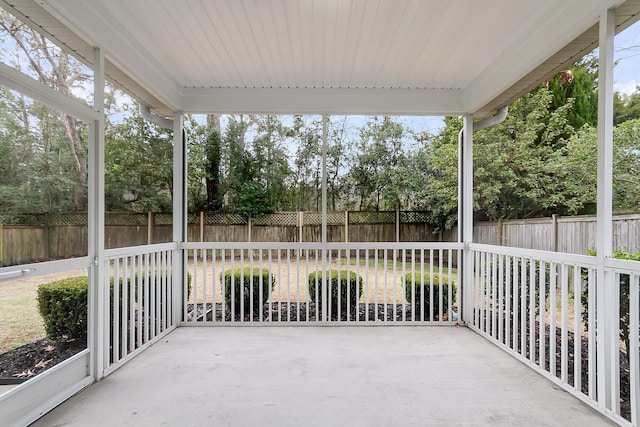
point(557, 257)
point(137, 250)
point(623, 266)
point(319, 245)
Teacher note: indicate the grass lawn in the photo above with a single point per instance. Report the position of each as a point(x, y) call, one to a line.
point(389, 265)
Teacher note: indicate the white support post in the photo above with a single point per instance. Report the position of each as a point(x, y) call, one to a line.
point(607, 320)
point(179, 214)
point(465, 222)
point(325, 272)
point(98, 296)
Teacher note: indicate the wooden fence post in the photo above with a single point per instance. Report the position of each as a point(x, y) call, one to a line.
point(301, 222)
point(500, 237)
point(397, 224)
point(249, 230)
point(201, 226)
point(554, 233)
point(346, 226)
point(149, 228)
point(1, 245)
point(47, 235)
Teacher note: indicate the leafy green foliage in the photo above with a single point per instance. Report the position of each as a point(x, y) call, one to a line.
point(138, 166)
point(63, 304)
point(418, 294)
point(625, 288)
point(244, 285)
point(344, 290)
point(63, 307)
point(581, 93)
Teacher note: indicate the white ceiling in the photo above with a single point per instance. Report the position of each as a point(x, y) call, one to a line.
point(334, 56)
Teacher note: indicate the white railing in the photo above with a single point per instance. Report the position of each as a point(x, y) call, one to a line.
point(542, 307)
point(141, 298)
point(267, 283)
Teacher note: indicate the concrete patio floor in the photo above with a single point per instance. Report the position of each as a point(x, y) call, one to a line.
point(323, 376)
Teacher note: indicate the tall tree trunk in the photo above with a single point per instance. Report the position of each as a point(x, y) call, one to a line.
point(79, 157)
point(213, 153)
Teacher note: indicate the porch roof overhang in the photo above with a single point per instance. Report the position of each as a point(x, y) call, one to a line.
point(304, 57)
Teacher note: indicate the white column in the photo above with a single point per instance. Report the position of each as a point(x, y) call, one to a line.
point(325, 270)
point(607, 320)
point(98, 296)
point(466, 219)
point(179, 214)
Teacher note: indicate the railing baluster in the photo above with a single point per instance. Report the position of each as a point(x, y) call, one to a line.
point(542, 316)
point(634, 359)
point(577, 330)
point(223, 287)
point(421, 285)
point(532, 310)
point(508, 297)
point(591, 321)
point(523, 306)
point(450, 284)
point(553, 308)
point(564, 283)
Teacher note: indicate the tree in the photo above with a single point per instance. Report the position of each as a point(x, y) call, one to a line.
point(55, 68)
point(138, 166)
point(375, 173)
point(626, 107)
point(581, 89)
point(437, 161)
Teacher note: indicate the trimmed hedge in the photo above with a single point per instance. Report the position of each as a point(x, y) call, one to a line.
point(249, 281)
point(63, 306)
point(439, 285)
point(349, 280)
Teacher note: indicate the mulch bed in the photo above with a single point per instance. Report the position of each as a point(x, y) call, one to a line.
point(297, 312)
point(27, 361)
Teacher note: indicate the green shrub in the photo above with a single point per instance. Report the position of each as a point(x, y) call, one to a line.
point(246, 285)
point(63, 307)
point(414, 285)
point(342, 294)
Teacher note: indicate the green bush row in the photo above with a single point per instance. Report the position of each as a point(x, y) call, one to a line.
point(419, 286)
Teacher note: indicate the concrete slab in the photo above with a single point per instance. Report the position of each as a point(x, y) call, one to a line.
point(324, 376)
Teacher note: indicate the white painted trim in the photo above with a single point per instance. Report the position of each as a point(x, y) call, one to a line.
point(120, 47)
point(29, 401)
point(15, 80)
point(440, 102)
point(317, 245)
point(179, 274)
point(41, 268)
point(138, 250)
point(607, 320)
point(466, 220)
point(547, 256)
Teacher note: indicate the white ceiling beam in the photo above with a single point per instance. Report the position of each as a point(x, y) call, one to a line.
point(16, 80)
point(99, 28)
point(319, 101)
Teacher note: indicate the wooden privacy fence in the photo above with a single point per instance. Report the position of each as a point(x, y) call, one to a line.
point(36, 237)
point(576, 234)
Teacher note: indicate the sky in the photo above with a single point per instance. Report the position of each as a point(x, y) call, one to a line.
point(626, 73)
